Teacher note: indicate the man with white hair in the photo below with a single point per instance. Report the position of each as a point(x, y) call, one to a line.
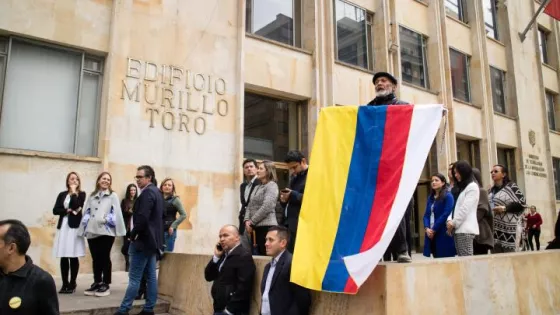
point(385, 86)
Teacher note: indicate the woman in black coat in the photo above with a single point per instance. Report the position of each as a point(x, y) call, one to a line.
point(68, 245)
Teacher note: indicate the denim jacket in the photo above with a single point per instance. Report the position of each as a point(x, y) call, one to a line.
point(102, 216)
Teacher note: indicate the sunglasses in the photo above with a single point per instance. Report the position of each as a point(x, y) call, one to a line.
point(494, 172)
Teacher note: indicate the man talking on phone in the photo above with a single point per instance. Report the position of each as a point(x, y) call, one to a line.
point(232, 269)
point(292, 196)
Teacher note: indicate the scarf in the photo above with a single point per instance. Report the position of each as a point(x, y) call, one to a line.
point(507, 225)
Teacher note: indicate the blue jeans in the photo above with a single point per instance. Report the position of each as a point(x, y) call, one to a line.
point(140, 261)
point(169, 240)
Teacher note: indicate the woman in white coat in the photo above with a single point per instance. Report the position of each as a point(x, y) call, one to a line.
point(462, 221)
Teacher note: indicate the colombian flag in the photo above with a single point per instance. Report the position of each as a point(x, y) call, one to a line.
point(365, 165)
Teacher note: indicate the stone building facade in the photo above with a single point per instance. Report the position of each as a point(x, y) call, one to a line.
point(194, 87)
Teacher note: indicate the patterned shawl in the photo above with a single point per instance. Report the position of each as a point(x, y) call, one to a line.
point(507, 225)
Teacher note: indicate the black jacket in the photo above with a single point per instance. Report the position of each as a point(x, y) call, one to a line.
point(31, 285)
point(232, 287)
point(76, 201)
point(390, 99)
point(285, 297)
point(147, 219)
point(297, 185)
point(244, 202)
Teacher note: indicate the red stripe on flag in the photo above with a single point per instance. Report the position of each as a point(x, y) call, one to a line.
point(351, 286)
point(553, 9)
point(395, 139)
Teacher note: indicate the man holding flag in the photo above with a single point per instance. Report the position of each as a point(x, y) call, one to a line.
point(385, 86)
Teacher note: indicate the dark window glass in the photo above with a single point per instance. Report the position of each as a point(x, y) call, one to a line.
point(507, 157)
point(460, 75)
point(498, 91)
point(543, 45)
point(353, 35)
point(550, 110)
point(271, 127)
point(556, 171)
point(491, 18)
point(276, 20)
point(413, 58)
point(469, 150)
point(456, 9)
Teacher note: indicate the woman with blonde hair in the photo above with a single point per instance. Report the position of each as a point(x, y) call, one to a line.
point(102, 222)
point(260, 214)
point(68, 244)
point(172, 206)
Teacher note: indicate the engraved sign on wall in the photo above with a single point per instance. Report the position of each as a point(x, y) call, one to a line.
point(534, 167)
point(175, 98)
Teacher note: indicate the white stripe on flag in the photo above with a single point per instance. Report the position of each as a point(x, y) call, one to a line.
point(423, 129)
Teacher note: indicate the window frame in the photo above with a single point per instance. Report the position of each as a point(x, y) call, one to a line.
point(297, 18)
point(494, 12)
point(370, 58)
point(543, 38)
point(84, 56)
point(556, 174)
point(461, 7)
point(467, 62)
point(424, 49)
point(473, 146)
point(504, 90)
point(551, 110)
point(510, 160)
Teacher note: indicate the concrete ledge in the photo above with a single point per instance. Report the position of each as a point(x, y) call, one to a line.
point(520, 283)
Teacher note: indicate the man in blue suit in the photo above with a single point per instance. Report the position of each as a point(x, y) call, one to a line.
point(146, 238)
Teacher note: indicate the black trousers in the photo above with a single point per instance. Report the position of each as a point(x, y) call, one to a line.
point(292, 243)
point(100, 249)
point(260, 234)
point(480, 249)
point(537, 235)
point(398, 244)
point(72, 265)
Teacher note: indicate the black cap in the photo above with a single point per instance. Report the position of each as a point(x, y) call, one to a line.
point(386, 75)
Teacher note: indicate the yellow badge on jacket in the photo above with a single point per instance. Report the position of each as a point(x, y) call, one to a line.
point(15, 302)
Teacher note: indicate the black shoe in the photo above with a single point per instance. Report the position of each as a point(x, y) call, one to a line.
point(91, 291)
point(64, 289)
point(71, 288)
point(103, 290)
point(146, 313)
point(119, 313)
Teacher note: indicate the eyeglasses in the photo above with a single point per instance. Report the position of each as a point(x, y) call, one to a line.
point(494, 172)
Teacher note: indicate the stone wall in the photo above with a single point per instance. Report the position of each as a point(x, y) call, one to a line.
point(513, 284)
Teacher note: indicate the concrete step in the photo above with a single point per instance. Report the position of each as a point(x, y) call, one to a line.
point(162, 307)
point(79, 304)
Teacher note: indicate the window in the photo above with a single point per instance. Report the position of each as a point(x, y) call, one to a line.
point(457, 9)
point(264, 139)
point(543, 45)
point(550, 110)
point(498, 89)
point(491, 18)
point(469, 150)
point(460, 77)
point(556, 171)
point(276, 20)
point(51, 98)
point(507, 157)
point(353, 35)
point(413, 58)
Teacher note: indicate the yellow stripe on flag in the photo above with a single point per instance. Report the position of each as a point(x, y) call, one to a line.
point(324, 194)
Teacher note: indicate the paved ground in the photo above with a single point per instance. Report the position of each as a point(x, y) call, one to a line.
point(78, 301)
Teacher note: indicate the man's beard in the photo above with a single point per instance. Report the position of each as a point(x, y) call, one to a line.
point(382, 93)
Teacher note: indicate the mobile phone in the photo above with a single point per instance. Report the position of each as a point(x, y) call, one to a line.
point(219, 247)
